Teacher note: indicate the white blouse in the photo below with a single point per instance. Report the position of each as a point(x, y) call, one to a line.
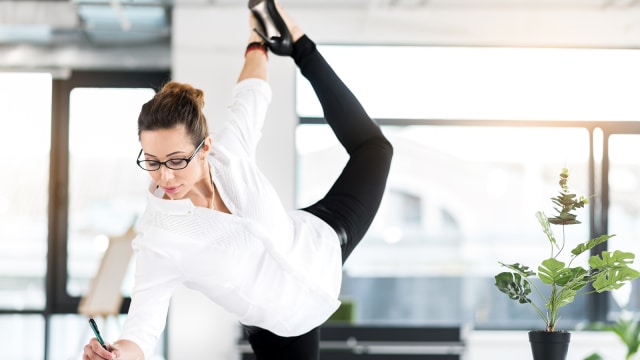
point(276, 269)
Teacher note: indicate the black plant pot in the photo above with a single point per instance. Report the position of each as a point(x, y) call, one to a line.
point(547, 345)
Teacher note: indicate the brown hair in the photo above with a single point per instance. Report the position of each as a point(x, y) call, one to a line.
point(176, 103)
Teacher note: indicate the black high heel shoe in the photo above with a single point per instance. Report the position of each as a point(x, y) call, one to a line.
point(273, 30)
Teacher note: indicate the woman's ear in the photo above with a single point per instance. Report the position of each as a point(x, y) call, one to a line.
point(206, 147)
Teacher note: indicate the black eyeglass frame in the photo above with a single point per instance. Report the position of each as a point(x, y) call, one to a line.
point(165, 163)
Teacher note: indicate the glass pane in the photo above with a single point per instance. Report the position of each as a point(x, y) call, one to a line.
point(106, 187)
point(458, 201)
point(22, 337)
point(624, 207)
point(25, 140)
point(484, 83)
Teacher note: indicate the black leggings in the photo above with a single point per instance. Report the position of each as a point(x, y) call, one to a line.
point(352, 202)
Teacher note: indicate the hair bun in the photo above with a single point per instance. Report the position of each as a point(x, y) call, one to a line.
point(175, 104)
point(181, 89)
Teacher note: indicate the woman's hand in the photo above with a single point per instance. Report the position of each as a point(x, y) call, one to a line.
point(94, 351)
point(120, 350)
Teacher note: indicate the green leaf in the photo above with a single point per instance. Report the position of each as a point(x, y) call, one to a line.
point(612, 270)
point(628, 330)
point(515, 286)
point(523, 270)
point(590, 244)
point(594, 356)
point(552, 271)
point(578, 279)
point(564, 297)
point(546, 227)
point(566, 203)
point(609, 259)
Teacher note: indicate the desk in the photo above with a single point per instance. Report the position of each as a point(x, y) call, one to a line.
point(357, 342)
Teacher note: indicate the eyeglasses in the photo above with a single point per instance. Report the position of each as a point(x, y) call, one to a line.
point(173, 164)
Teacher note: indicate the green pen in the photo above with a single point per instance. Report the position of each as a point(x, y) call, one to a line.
point(94, 327)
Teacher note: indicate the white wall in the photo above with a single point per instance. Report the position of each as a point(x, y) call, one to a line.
point(207, 51)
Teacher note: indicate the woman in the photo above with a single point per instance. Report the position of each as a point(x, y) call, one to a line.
point(215, 224)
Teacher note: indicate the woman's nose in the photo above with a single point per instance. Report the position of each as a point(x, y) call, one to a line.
point(166, 173)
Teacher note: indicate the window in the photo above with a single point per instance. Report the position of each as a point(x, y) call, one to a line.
point(624, 209)
point(480, 135)
point(457, 83)
point(95, 130)
point(55, 198)
point(105, 184)
point(25, 142)
point(475, 208)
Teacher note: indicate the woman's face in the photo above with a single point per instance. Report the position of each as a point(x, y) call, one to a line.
point(174, 144)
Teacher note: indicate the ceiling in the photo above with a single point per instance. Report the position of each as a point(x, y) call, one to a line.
point(96, 22)
point(137, 33)
point(134, 22)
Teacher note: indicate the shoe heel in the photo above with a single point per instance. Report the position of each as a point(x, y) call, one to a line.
point(262, 35)
point(274, 31)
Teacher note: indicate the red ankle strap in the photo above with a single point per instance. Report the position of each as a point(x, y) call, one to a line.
point(256, 46)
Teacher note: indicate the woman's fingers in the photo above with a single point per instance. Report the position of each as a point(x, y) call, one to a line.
point(94, 351)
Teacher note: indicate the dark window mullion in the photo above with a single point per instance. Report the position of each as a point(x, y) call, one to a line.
point(58, 196)
point(599, 302)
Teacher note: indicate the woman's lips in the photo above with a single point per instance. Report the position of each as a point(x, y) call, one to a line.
point(171, 189)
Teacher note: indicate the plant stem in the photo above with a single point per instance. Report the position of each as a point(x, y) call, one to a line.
point(563, 242)
point(553, 308)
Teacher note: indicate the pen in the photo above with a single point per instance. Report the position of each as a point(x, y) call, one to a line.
point(94, 327)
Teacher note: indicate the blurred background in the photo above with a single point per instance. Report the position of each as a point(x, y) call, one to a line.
point(485, 101)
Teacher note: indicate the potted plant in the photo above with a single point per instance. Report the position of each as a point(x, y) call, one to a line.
point(563, 280)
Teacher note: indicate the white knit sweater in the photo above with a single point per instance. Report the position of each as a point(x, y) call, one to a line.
point(275, 269)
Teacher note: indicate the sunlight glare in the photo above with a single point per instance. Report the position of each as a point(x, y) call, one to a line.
point(25, 100)
point(483, 83)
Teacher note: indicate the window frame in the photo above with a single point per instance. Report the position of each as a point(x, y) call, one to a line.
point(58, 301)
